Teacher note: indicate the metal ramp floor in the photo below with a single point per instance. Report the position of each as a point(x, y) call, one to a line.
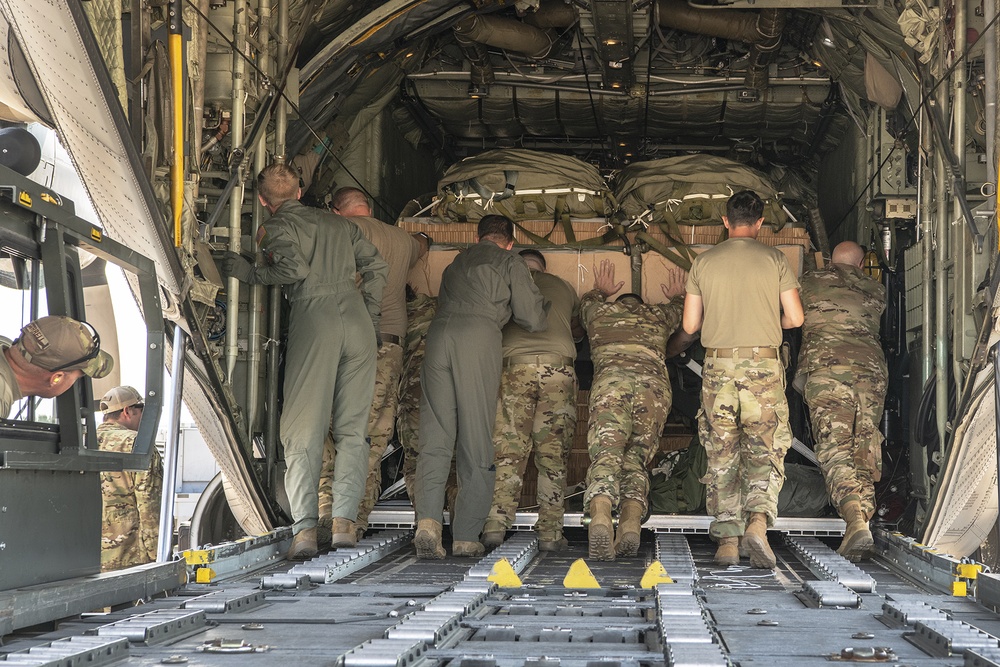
point(379, 606)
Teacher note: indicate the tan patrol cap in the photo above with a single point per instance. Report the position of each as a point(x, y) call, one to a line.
point(60, 343)
point(120, 398)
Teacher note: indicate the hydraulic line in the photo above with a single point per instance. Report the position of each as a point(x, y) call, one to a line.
point(961, 249)
point(236, 196)
point(256, 296)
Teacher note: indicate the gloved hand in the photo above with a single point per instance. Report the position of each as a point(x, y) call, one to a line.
point(236, 266)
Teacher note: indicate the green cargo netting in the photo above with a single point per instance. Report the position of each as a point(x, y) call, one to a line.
point(690, 190)
point(523, 185)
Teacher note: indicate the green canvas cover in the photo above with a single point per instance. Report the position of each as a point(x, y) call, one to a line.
point(522, 185)
point(690, 190)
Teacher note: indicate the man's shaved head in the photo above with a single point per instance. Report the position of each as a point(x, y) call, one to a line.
point(849, 253)
point(350, 202)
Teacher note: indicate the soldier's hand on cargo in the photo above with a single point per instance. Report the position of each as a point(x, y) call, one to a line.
point(425, 242)
point(234, 265)
point(676, 279)
point(604, 278)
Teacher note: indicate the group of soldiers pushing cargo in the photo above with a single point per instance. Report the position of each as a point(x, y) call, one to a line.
point(484, 375)
point(490, 363)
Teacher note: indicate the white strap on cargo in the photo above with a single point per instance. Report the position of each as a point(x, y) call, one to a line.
point(581, 194)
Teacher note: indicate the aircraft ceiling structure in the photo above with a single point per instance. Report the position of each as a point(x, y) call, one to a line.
point(666, 88)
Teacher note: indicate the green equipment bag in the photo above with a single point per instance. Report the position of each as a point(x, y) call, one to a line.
point(677, 487)
point(690, 190)
point(523, 185)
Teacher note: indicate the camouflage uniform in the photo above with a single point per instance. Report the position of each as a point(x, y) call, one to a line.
point(537, 409)
point(380, 422)
point(10, 393)
point(130, 526)
point(743, 424)
point(630, 397)
point(419, 313)
point(846, 379)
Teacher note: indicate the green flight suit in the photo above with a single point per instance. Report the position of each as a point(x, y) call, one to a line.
point(330, 361)
point(460, 378)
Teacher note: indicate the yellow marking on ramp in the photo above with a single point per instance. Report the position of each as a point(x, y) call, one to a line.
point(503, 575)
point(580, 576)
point(654, 576)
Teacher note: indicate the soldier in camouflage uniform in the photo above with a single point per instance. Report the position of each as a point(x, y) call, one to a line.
point(131, 522)
point(735, 294)
point(537, 410)
point(629, 402)
point(844, 372)
point(420, 310)
point(48, 357)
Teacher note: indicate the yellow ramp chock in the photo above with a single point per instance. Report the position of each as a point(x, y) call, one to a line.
point(654, 576)
point(204, 575)
point(580, 576)
point(503, 575)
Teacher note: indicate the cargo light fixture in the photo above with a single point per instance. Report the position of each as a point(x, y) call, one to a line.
point(478, 90)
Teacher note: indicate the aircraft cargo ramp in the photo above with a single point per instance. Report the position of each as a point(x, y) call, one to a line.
point(377, 605)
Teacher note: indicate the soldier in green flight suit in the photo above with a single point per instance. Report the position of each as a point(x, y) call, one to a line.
point(484, 287)
point(844, 373)
point(332, 343)
point(630, 400)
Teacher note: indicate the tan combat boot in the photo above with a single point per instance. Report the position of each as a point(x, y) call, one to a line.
point(600, 533)
point(428, 540)
point(342, 533)
point(493, 534)
point(728, 552)
point(303, 545)
point(858, 542)
point(629, 528)
point(755, 540)
point(324, 534)
point(552, 542)
point(467, 549)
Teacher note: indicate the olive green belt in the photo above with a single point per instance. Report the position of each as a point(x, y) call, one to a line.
point(538, 360)
point(741, 352)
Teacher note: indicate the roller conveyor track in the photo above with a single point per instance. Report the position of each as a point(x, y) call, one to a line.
point(377, 605)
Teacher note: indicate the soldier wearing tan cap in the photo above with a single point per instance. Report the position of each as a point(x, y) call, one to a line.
point(48, 356)
point(130, 524)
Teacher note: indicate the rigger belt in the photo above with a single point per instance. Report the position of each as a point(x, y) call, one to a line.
point(538, 360)
point(741, 352)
